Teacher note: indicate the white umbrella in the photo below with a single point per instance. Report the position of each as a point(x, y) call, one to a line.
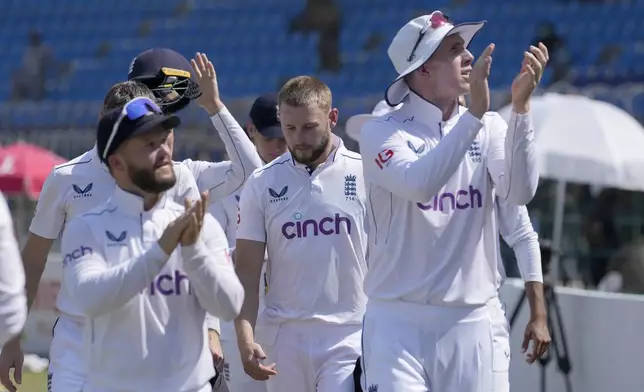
point(584, 141)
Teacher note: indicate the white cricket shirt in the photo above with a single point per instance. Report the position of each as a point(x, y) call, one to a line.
point(226, 177)
point(79, 185)
point(315, 230)
point(146, 309)
point(13, 301)
point(430, 188)
point(516, 229)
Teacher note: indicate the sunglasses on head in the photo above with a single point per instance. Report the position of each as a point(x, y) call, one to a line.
point(438, 19)
point(133, 110)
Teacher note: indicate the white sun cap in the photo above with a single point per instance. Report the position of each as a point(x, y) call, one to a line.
point(354, 124)
point(416, 42)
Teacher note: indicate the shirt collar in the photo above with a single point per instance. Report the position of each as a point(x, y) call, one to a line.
point(338, 147)
point(96, 159)
point(132, 204)
point(425, 111)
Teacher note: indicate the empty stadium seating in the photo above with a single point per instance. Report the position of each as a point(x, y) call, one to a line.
point(253, 51)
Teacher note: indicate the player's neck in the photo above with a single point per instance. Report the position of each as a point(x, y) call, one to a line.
point(327, 151)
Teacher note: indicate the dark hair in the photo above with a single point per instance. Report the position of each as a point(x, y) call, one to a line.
point(123, 92)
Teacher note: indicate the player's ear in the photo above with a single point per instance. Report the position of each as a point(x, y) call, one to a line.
point(333, 117)
point(251, 130)
point(116, 163)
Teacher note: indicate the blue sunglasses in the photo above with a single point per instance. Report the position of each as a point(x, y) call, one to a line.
point(133, 110)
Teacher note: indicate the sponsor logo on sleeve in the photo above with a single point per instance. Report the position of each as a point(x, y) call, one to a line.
point(383, 158)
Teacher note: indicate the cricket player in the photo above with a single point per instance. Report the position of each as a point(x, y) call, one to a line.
point(307, 209)
point(265, 132)
point(84, 182)
point(516, 229)
point(439, 168)
point(13, 302)
point(144, 299)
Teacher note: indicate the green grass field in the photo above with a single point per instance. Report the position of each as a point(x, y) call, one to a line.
point(32, 382)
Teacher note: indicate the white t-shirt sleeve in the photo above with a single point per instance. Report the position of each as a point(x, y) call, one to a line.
point(49, 218)
point(13, 302)
point(211, 272)
point(250, 215)
point(517, 231)
point(218, 212)
point(389, 163)
point(97, 286)
point(512, 157)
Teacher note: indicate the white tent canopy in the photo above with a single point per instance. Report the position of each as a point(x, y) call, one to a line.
point(586, 141)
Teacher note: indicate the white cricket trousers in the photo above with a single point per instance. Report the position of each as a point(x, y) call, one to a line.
point(238, 380)
point(67, 368)
point(409, 347)
point(501, 341)
point(311, 356)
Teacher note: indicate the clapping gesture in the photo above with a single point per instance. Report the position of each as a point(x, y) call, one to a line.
point(186, 228)
point(532, 67)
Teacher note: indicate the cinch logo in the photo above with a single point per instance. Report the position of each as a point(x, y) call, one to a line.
point(82, 192)
point(311, 227)
point(76, 254)
point(175, 283)
point(460, 200)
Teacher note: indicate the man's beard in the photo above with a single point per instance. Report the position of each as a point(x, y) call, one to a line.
point(145, 180)
point(315, 153)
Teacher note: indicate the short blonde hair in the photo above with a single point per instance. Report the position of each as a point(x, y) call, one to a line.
point(303, 91)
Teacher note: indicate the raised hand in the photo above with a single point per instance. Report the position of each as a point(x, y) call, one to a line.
point(206, 78)
point(479, 87)
point(532, 67)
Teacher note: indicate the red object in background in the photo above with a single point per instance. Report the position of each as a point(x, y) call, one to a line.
point(24, 168)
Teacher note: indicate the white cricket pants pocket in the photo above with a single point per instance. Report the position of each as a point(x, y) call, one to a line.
point(313, 356)
point(422, 348)
point(501, 341)
point(67, 365)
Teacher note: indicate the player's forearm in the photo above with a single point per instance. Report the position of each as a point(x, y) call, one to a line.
point(245, 323)
point(528, 257)
point(98, 290)
point(214, 281)
point(520, 184)
point(34, 265)
point(240, 150)
point(213, 323)
point(536, 299)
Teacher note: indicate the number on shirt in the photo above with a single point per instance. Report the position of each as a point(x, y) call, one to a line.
point(383, 157)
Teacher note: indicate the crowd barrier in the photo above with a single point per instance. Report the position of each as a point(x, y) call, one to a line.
point(604, 331)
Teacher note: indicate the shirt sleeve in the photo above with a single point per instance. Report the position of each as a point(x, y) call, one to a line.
point(250, 214)
point(96, 286)
point(389, 162)
point(512, 157)
point(218, 212)
point(224, 178)
point(50, 214)
point(13, 302)
point(211, 272)
point(186, 185)
point(517, 231)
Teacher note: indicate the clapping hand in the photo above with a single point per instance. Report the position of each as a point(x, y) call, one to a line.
point(532, 67)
